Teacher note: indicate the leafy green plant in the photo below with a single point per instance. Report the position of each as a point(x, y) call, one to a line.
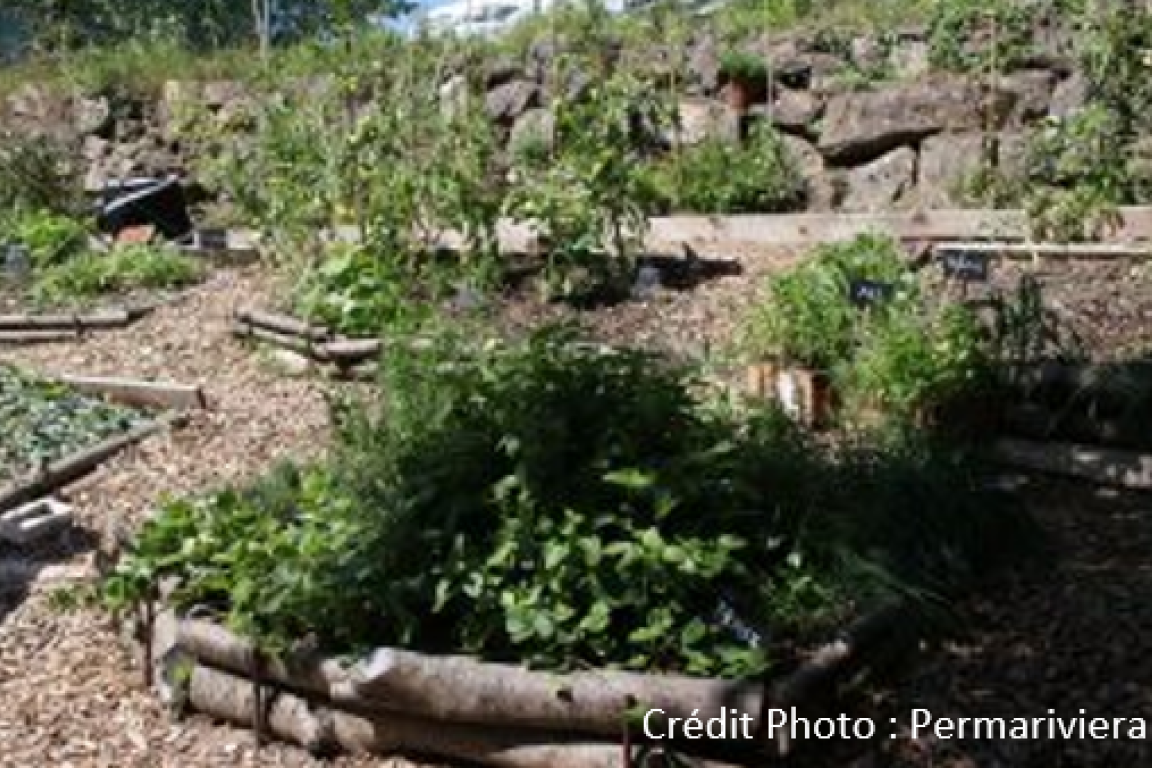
point(45, 421)
point(911, 361)
point(123, 269)
point(50, 238)
point(560, 503)
point(807, 317)
point(974, 35)
point(717, 176)
point(743, 67)
point(589, 198)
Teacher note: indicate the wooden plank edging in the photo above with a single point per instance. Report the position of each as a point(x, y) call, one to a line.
point(1104, 466)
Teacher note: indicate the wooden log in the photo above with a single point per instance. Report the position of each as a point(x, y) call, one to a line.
point(461, 689)
point(348, 352)
point(141, 394)
point(296, 344)
point(1046, 250)
point(37, 337)
point(815, 681)
point(1099, 465)
point(117, 318)
point(65, 471)
point(324, 730)
point(283, 324)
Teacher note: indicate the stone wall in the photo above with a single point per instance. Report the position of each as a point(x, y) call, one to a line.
point(907, 141)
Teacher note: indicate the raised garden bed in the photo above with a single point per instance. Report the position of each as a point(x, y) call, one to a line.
point(392, 701)
point(57, 431)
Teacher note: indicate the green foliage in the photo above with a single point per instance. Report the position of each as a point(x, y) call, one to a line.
point(589, 197)
point(807, 317)
point(976, 35)
point(51, 239)
point(45, 421)
point(559, 503)
point(910, 359)
point(743, 67)
point(1077, 176)
point(35, 175)
point(716, 176)
point(126, 268)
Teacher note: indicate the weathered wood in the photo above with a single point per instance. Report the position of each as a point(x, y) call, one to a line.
point(108, 319)
point(64, 471)
point(325, 730)
point(141, 394)
point(294, 343)
point(1045, 250)
point(283, 324)
point(38, 337)
point(1099, 465)
point(461, 689)
point(347, 352)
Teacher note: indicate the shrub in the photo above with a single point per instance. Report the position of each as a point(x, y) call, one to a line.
point(911, 360)
point(742, 67)
point(807, 317)
point(36, 174)
point(718, 176)
point(548, 501)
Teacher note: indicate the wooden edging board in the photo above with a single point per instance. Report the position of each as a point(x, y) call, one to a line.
point(142, 394)
point(1105, 466)
point(69, 469)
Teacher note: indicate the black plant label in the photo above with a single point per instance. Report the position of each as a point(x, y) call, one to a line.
point(865, 293)
point(965, 265)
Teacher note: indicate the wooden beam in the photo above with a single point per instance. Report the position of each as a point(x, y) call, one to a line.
point(143, 394)
point(1099, 465)
point(37, 337)
point(1063, 250)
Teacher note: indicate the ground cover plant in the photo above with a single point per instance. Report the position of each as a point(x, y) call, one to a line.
point(564, 504)
point(45, 421)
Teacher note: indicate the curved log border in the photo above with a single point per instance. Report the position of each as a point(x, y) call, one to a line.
point(458, 708)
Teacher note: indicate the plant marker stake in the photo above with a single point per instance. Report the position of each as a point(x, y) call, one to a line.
point(258, 722)
point(149, 629)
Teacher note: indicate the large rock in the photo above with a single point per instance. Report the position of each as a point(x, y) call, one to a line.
point(703, 119)
point(1070, 96)
point(501, 71)
point(93, 115)
point(704, 65)
point(1032, 90)
point(535, 129)
point(507, 102)
point(909, 57)
point(882, 183)
point(796, 111)
point(859, 126)
point(947, 162)
point(824, 188)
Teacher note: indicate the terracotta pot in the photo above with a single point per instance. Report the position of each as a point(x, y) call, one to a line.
point(804, 394)
point(740, 96)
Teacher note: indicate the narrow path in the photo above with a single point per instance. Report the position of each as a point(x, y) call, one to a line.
point(1070, 634)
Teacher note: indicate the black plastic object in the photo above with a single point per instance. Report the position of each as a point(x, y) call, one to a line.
point(146, 202)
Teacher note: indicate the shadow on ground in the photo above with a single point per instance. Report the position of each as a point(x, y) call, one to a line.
point(22, 567)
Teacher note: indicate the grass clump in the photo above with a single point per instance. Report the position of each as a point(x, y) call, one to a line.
point(121, 270)
point(557, 502)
